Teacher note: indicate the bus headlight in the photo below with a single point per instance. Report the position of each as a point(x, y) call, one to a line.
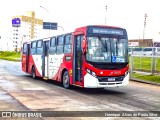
point(126, 73)
point(91, 72)
point(88, 71)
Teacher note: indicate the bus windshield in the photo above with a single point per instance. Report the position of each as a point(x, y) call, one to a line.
point(107, 49)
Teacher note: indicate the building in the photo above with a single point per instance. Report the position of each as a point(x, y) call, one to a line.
point(29, 28)
point(156, 44)
point(140, 43)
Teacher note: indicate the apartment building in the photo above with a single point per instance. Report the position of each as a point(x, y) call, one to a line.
point(29, 28)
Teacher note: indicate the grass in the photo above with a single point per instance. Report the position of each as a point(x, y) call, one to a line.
point(11, 56)
point(144, 63)
point(152, 78)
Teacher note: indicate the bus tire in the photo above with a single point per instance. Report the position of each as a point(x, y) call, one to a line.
point(33, 73)
point(66, 80)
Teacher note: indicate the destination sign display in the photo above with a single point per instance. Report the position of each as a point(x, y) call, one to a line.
point(105, 31)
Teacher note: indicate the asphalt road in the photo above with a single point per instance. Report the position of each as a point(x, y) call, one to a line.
point(19, 92)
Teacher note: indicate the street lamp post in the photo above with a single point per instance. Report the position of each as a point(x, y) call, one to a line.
point(8, 43)
point(50, 18)
point(21, 42)
point(61, 27)
point(45, 9)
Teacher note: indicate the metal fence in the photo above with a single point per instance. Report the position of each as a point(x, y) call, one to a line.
point(144, 64)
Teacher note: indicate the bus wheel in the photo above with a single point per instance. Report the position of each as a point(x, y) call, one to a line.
point(66, 80)
point(33, 73)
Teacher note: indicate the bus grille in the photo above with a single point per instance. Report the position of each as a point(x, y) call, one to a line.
point(110, 83)
point(107, 79)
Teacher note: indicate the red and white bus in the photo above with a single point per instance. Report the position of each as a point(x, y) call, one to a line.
point(91, 57)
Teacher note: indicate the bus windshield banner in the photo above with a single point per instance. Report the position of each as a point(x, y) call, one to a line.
point(105, 31)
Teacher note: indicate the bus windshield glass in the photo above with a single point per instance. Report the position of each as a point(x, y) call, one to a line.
point(107, 49)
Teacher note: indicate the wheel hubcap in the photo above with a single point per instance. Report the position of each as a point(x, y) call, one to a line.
point(33, 74)
point(66, 80)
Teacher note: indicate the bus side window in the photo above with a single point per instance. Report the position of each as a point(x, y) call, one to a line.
point(67, 44)
point(24, 48)
point(39, 47)
point(33, 47)
point(52, 46)
point(60, 41)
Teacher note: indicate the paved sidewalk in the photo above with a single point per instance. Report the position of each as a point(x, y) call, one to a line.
point(145, 81)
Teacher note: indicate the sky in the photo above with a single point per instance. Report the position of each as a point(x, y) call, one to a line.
point(71, 14)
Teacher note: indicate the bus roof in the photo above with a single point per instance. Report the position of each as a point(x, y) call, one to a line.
point(91, 27)
point(105, 26)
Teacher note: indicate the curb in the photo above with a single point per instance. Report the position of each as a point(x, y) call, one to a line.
point(144, 81)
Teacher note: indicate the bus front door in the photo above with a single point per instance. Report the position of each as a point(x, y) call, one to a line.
point(45, 59)
point(77, 59)
point(25, 57)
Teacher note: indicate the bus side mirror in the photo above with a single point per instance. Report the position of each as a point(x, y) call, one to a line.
point(84, 46)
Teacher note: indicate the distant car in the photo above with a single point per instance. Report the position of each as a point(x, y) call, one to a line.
point(147, 51)
point(130, 49)
point(157, 51)
point(137, 51)
point(151, 51)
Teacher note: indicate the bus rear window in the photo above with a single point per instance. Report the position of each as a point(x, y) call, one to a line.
point(24, 48)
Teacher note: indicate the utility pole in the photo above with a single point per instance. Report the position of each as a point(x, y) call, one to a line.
point(106, 15)
point(145, 17)
point(50, 19)
point(48, 16)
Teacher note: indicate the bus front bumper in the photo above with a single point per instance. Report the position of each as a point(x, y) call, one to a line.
point(92, 82)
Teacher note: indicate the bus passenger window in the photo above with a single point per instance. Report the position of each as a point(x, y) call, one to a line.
point(60, 41)
point(39, 47)
point(52, 46)
point(33, 48)
point(67, 44)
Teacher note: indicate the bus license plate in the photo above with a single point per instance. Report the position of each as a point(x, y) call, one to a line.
point(111, 79)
